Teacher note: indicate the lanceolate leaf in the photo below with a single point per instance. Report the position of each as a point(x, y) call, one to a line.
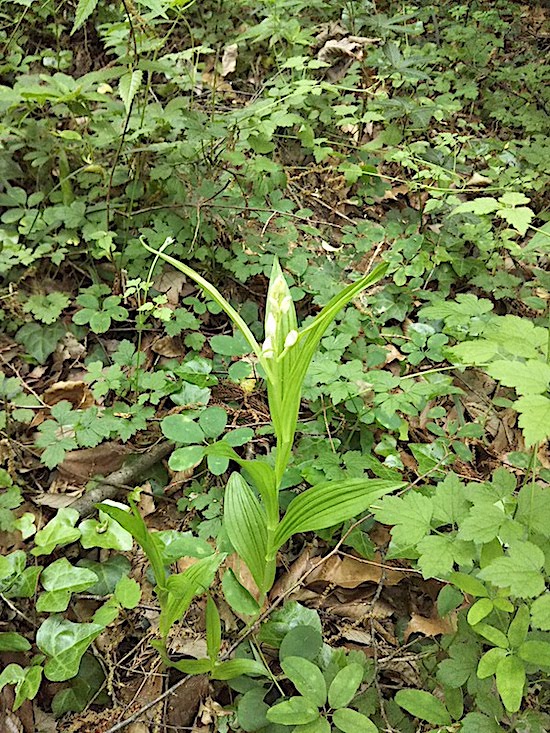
point(330, 503)
point(128, 87)
point(245, 522)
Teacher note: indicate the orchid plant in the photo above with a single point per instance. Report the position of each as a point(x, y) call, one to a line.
point(251, 503)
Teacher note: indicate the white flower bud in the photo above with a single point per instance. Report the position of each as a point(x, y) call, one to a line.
point(267, 348)
point(270, 326)
point(286, 302)
point(291, 338)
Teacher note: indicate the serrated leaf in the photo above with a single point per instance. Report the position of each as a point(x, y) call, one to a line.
point(410, 517)
point(519, 626)
point(510, 677)
point(520, 570)
point(480, 206)
point(424, 706)
point(534, 508)
point(530, 377)
point(128, 87)
point(519, 217)
point(329, 503)
point(83, 11)
point(534, 418)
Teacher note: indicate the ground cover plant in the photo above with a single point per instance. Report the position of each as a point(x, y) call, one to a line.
point(274, 366)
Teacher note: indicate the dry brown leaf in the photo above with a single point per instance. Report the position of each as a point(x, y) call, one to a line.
point(360, 610)
point(172, 284)
point(229, 59)
point(77, 393)
point(184, 703)
point(430, 626)
point(169, 346)
point(82, 465)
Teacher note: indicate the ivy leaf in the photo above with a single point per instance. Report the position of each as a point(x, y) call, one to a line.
point(534, 418)
point(59, 531)
point(64, 642)
point(520, 570)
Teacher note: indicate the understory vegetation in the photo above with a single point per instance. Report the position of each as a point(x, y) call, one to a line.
point(274, 366)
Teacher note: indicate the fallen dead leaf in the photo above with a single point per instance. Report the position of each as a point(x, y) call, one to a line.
point(77, 393)
point(350, 572)
point(82, 465)
point(358, 611)
point(184, 704)
point(430, 626)
point(170, 347)
point(229, 59)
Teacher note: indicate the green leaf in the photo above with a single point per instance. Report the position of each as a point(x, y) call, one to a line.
point(174, 544)
point(182, 429)
point(40, 341)
point(533, 509)
point(480, 610)
point(519, 217)
point(246, 526)
point(480, 206)
point(454, 672)
point(303, 641)
point(251, 710)
point(295, 711)
point(329, 503)
point(237, 668)
point(82, 689)
point(238, 596)
point(520, 571)
point(535, 652)
point(489, 662)
point(468, 584)
point(519, 626)
point(530, 377)
point(540, 612)
point(108, 573)
point(193, 666)
point(320, 725)
point(479, 723)
point(492, 634)
point(424, 706)
point(10, 641)
point(182, 459)
point(213, 421)
point(307, 678)
point(345, 685)
point(183, 587)
point(58, 532)
point(350, 721)
point(106, 533)
point(61, 579)
point(64, 642)
point(128, 592)
point(534, 418)
point(510, 677)
point(213, 629)
point(83, 11)
point(410, 517)
point(128, 86)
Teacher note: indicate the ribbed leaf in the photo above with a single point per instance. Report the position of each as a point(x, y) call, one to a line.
point(213, 629)
point(330, 503)
point(246, 526)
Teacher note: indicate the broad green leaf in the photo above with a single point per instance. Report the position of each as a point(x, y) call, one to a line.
point(350, 721)
point(510, 677)
point(11, 641)
point(58, 532)
point(246, 526)
point(329, 503)
point(534, 508)
point(468, 584)
point(213, 629)
point(320, 725)
point(82, 689)
point(108, 573)
point(238, 596)
point(26, 681)
point(424, 706)
point(183, 587)
point(307, 678)
point(174, 544)
point(519, 217)
point(83, 11)
point(456, 670)
point(128, 592)
point(540, 240)
point(61, 579)
point(295, 711)
point(105, 532)
point(535, 652)
point(182, 459)
point(480, 206)
point(540, 612)
point(128, 86)
point(409, 515)
point(64, 642)
point(182, 429)
point(213, 421)
point(287, 618)
point(519, 626)
point(479, 723)
point(303, 641)
point(492, 634)
point(520, 570)
point(480, 610)
point(534, 418)
point(489, 662)
point(251, 710)
point(530, 377)
point(193, 666)
point(344, 686)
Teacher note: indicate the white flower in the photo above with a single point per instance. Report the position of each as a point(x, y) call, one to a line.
point(291, 338)
point(267, 348)
point(270, 326)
